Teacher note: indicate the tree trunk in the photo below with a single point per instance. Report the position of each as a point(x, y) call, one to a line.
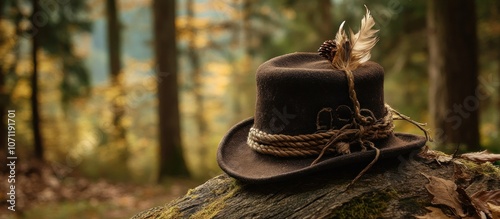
point(114, 55)
point(3, 116)
point(453, 72)
point(496, 17)
point(115, 67)
point(245, 91)
point(325, 26)
point(6, 69)
point(393, 188)
point(237, 69)
point(37, 137)
point(171, 155)
point(197, 87)
point(3, 98)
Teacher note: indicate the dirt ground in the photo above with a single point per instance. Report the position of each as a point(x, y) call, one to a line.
point(41, 194)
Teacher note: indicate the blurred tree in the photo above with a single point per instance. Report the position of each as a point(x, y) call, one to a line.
point(495, 22)
point(243, 72)
point(115, 66)
point(55, 26)
point(488, 24)
point(196, 77)
point(8, 43)
point(171, 157)
point(496, 19)
point(115, 69)
point(304, 25)
point(35, 119)
point(453, 72)
point(325, 21)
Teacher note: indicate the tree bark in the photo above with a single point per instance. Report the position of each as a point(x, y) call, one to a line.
point(115, 66)
point(119, 132)
point(237, 69)
point(496, 17)
point(171, 156)
point(35, 112)
point(6, 69)
point(197, 87)
point(325, 25)
point(393, 188)
point(113, 39)
point(245, 82)
point(4, 100)
point(453, 71)
point(114, 48)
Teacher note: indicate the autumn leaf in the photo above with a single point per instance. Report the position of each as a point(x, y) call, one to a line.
point(482, 199)
point(481, 157)
point(445, 193)
point(438, 156)
point(495, 210)
point(435, 213)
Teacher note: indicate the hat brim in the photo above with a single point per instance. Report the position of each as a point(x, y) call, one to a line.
point(238, 160)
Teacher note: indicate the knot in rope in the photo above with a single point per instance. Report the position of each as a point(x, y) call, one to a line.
point(332, 141)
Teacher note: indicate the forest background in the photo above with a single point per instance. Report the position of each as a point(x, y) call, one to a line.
point(96, 84)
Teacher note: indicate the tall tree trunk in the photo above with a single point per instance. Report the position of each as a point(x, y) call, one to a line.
point(114, 60)
point(113, 41)
point(248, 35)
point(37, 137)
point(3, 100)
point(5, 94)
point(3, 115)
point(194, 60)
point(236, 70)
point(246, 81)
point(171, 156)
point(453, 72)
point(114, 47)
point(325, 26)
point(496, 18)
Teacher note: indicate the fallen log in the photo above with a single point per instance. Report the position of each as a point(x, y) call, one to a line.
point(393, 188)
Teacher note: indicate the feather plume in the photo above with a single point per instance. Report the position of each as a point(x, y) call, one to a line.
point(355, 49)
point(341, 58)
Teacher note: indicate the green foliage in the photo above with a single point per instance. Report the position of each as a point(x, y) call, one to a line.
point(212, 209)
point(367, 206)
point(486, 169)
point(58, 23)
point(80, 209)
point(173, 212)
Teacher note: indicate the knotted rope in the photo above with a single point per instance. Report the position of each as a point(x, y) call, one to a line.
point(282, 145)
point(321, 142)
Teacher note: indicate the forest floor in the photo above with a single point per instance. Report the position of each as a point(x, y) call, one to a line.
point(41, 194)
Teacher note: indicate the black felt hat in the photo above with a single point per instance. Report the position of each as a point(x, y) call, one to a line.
point(301, 95)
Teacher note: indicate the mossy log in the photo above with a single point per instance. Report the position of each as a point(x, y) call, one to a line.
point(391, 189)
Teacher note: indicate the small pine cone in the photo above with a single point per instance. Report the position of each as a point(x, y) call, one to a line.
point(328, 49)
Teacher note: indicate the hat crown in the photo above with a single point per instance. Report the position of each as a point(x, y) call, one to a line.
point(293, 89)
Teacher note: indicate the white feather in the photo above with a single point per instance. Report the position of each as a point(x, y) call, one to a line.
point(339, 61)
point(341, 36)
point(363, 41)
point(356, 50)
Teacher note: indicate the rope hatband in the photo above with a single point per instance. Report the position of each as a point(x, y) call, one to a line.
point(314, 144)
point(333, 141)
